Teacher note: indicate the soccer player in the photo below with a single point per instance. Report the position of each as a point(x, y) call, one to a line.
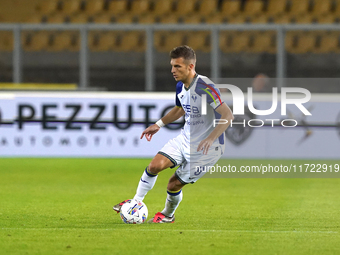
point(200, 143)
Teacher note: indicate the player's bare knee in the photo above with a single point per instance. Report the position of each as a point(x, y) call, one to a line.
point(155, 167)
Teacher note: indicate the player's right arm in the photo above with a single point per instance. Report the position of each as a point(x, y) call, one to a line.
point(174, 114)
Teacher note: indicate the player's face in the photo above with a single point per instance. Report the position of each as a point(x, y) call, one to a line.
point(180, 69)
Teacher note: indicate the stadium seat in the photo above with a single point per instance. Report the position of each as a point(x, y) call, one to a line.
point(165, 41)
point(55, 18)
point(321, 7)
point(192, 19)
point(253, 8)
point(6, 41)
point(62, 41)
point(215, 19)
point(46, 7)
point(305, 43)
point(79, 18)
point(103, 41)
point(199, 41)
point(117, 7)
point(237, 19)
point(337, 8)
point(35, 41)
point(132, 41)
point(283, 19)
point(139, 7)
point(299, 7)
point(33, 19)
point(264, 42)
point(186, 7)
point(230, 7)
point(329, 43)
point(147, 19)
point(124, 19)
point(103, 18)
point(291, 41)
point(70, 7)
point(93, 7)
point(169, 19)
point(262, 19)
point(235, 42)
point(276, 7)
point(326, 19)
point(162, 7)
point(207, 7)
point(303, 19)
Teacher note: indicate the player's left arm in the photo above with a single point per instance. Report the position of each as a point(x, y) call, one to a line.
point(226, 114)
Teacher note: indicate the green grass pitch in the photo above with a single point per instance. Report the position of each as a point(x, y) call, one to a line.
point(64, 206)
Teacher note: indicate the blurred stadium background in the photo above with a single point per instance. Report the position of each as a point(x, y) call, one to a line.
point(111, 55)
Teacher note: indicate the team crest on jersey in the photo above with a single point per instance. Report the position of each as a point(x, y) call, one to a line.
point(194, 97)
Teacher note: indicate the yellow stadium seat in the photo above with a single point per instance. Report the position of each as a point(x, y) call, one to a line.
point(299, 7)
point(61, 41)
point(215, 19)
point(306, 43)
point(192, 19)
point(208, 7)
point(94, 7)
point(329, 43)
point(103, 18)
point(35, 41)
point(262, 19)
point(139, 7)
point(70, 6)
point(117, 7)
point(6, 41)
point(79, 18)
point(291, 41)
point(162, 7)
point(56, 18)
point(199, 41)
point(264, 42)
point(326, 19)
point(132, 41)
point(276, 7)
point(46, 7)
point(103, 41)
point(337, 8)
point(237, 19)
point(147, 19)
point(34, 19)
point(303, 19)
point(169, 19)
point(231, 7)
point(185, 7)
point(253, 8)
point(235, 42)
point(322, 7)
point(124, 19)
point(283, 19)
point(166, 41)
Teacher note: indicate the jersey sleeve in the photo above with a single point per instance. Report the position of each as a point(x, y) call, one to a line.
point(206, 87)
point(179, 88)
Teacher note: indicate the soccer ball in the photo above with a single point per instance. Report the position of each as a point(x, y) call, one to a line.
point(134, 212)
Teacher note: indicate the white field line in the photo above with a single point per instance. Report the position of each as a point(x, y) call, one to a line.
point(185, 230)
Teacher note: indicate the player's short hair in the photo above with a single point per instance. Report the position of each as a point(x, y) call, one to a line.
point(184, 51)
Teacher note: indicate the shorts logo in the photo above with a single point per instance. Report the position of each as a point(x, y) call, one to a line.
point(198, 171)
